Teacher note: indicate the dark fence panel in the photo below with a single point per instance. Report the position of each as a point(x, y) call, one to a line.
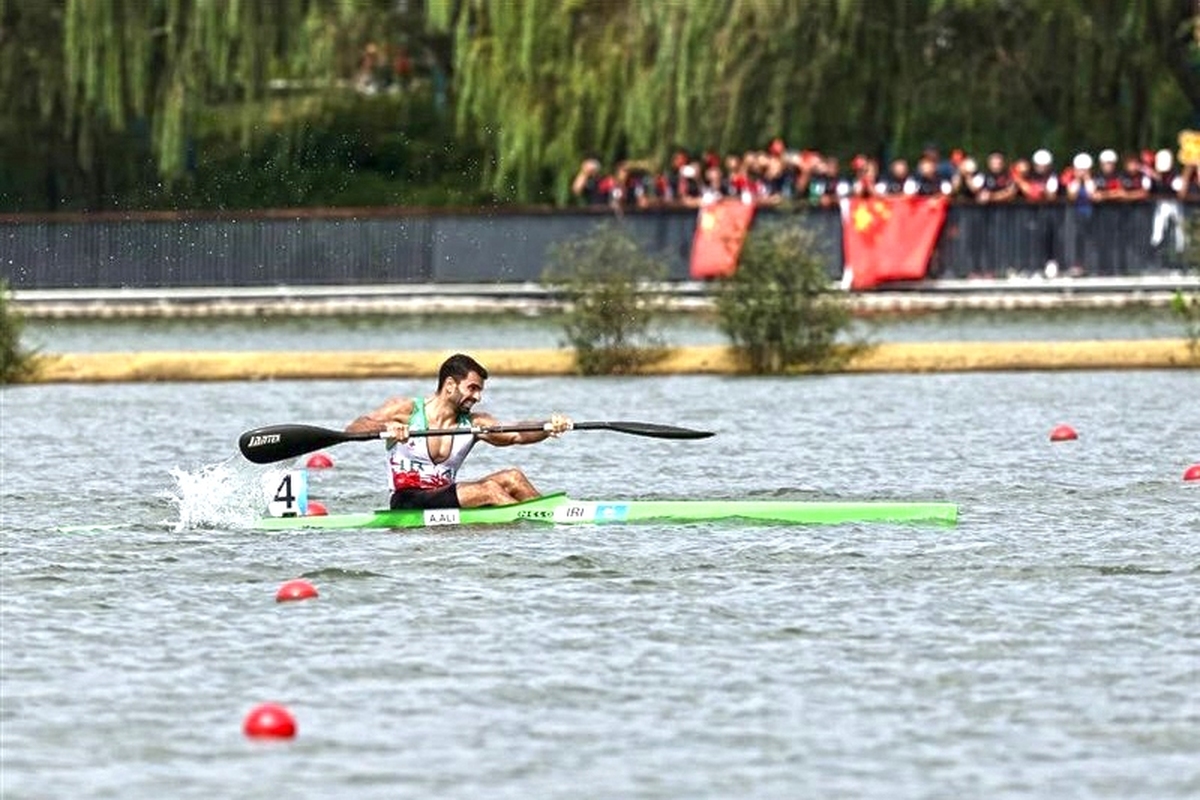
point(1109, 239)
point(395, 246)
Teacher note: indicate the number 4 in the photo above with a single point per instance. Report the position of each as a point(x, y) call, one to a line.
point(286, 494)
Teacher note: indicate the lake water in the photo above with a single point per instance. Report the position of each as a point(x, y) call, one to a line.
point(1047, 646)
point(402, 332)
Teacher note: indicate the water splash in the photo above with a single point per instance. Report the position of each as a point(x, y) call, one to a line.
point(224, 495)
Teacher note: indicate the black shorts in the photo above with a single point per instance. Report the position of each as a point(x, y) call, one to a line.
point(443, 497)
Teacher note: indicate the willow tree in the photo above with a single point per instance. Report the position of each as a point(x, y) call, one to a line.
point(83, 76)
point(105, 94)
point(549, 81)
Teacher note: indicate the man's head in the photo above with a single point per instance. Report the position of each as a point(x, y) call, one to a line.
point(462, 377)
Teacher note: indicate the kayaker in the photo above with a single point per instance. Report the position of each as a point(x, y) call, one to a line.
point(424, 469)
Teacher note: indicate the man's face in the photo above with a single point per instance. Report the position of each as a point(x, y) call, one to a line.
point(465, 393)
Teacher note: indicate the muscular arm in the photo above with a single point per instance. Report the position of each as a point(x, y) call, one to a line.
point(398, 409)
point(506, 439)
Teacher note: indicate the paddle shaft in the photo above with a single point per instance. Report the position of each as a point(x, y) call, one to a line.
point(281, 442)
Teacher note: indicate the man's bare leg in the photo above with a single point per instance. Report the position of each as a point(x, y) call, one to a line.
point(499, 488)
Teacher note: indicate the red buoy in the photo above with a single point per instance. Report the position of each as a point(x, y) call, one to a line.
point(295, 590)
point(316, 509)
point(269, 721)
point(319, 461)
point(1192, 473)
point(1063, 433)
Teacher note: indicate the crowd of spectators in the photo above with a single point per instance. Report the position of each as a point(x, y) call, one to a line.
point(383, 68)
point(779, 175)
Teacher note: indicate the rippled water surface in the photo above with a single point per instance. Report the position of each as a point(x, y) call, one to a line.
point(401, 332)
point(1047, 646)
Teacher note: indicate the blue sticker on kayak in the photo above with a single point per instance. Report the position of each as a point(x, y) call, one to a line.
point(614, 512)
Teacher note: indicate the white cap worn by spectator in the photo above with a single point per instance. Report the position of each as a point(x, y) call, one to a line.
point(1163, 160)
point(1108, 156)
point(1082, 161)
point(1042, 158)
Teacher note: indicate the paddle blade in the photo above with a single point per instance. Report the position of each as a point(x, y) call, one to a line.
point(281, 442)
point(645, 429)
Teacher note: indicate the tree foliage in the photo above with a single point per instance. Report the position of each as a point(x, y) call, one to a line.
point(549, 80)
point(779, 309)
point(605, 278)
point(15, 361)
point(112, 89)
point(102, 96)
point(1186, 305)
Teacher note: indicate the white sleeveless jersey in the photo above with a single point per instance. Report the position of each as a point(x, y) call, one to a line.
point(409, 463)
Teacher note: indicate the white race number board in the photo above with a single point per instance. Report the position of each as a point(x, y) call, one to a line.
point(286, 493)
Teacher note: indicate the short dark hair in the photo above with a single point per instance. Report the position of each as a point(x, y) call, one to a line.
point(458, 366)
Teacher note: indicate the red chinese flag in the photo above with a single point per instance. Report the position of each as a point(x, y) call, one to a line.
point(889, 238)
point(720, 232)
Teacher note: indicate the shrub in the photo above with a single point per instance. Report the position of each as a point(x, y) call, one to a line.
point(611, 309)
point(16, 363)
point(1187, 306)
point(780, 309)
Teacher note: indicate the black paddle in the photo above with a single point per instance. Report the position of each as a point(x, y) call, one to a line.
point(281, 442)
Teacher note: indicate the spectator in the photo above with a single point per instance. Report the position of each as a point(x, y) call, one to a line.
point(1190, 174)
point(369, 78)
point(964, 181)
point(683, 180)
point(1081, 192)
point(733, 168)
point(587, 183)
point(1019, 172)
point(943, 169)
point(1133, 182)
point(756, 169)
point(1108, 181)
point(688, 189)
point(898, 180)
point(995, 184)
point(778, 174)
point(1166, 188)
point(402, 68)
point(630, 188)
point(741, 182)
point(714, 187)
point(928, 182)
point(1039, 184)
point(866, 172)
point(826, 186)
point(1080, 184)
point(1165, 180)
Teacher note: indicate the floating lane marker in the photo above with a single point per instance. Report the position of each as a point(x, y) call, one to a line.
point(295, 590)
point(1063, 433)
point(269, 721)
